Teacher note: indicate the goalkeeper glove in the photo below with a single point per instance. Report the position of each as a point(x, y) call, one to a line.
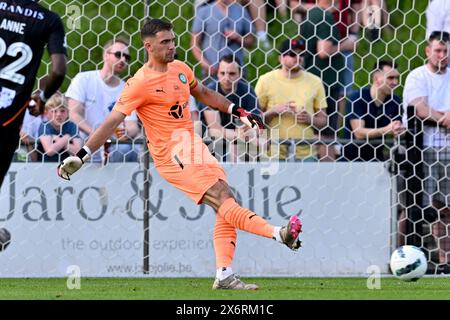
point(70, 165)
point(249, 119)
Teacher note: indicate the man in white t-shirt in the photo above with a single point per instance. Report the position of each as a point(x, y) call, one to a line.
point(92, 94)
point(427, 88)
point(438, 16)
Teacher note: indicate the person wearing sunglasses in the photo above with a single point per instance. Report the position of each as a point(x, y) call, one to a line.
point(92, 94)
point(293, 101)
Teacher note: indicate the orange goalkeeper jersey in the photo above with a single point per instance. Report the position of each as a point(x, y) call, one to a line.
point(160, 100)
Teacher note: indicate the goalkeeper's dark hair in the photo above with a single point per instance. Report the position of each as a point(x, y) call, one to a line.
point(153, 26)
point(441, 36)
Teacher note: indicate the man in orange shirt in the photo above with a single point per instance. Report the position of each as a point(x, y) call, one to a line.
point(159, 93)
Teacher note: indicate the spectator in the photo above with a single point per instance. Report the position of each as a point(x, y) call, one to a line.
point(374, 112)
point(438, 16)
point(374, 17)
point(324, 60)
point(29, 133)
point(220, 28)
point(345, 13)
point(258, 11)
point(427, 89)
point(371, 14)
point(195, 116)
point(293, 100)
point(203, 179)
point(57, 136)
point(92, 94)
point(237, 90)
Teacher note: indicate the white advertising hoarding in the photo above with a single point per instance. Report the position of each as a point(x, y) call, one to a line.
point(95, 222)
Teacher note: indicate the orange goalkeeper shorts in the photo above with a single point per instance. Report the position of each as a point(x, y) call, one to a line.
point(193, 174)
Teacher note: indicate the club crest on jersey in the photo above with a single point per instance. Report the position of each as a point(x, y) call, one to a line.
point(182, 78)
point(176, 110)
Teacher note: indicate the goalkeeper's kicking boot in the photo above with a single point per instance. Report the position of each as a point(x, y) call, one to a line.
point(289, 234)
point(233, 282)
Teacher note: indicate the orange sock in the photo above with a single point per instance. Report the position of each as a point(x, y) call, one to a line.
point(224, 242)
point(244, 219)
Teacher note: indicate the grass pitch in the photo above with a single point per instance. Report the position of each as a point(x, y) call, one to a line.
point(436, 288)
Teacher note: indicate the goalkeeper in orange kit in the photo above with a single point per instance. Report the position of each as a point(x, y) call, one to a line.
point(159, 93)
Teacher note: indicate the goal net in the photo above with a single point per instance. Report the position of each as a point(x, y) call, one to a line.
point(118, 217)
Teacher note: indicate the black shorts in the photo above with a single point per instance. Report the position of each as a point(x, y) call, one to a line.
point(9, 140)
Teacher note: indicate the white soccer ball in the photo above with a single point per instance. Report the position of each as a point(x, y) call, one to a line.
point(408, 263)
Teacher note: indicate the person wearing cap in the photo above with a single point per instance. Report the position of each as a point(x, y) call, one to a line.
point(294, 103)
